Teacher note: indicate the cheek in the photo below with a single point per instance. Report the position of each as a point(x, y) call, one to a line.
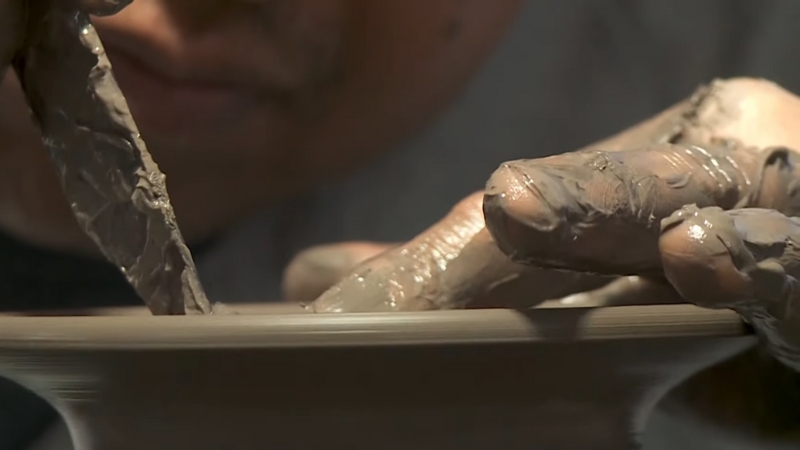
point(21, 149)
point(403, 62)
point(32, 204)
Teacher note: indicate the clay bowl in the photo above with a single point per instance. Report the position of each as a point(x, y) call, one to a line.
point(549, 378)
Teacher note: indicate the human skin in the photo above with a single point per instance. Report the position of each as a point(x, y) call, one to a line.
point(244, 103)
point(457, 262)
point(743, 259)
point(730, 145)
point(755, 114)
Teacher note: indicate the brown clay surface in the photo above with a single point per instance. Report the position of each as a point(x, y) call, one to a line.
point(114, 187)
point(438, 380)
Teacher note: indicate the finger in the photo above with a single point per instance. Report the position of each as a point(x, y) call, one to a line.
point(409, 277)
point(625, 291)
point(599, 211)
point(315, 270)
point(754, 111)
point(531, 286)
point(575, 211)
point(453, 264)
point(747, 260)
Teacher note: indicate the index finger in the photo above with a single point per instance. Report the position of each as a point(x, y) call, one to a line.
point(600, 212)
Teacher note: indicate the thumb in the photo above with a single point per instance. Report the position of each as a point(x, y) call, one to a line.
point(315, 270)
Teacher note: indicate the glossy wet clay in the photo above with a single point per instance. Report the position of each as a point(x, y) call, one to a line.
point(114, 187)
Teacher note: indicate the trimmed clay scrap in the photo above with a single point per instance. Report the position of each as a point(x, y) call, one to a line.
point(114, 187)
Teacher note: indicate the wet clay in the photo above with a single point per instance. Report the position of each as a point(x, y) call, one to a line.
point(704, 150)
point(601, 211)
point(625, 291)
point(452, 265)
point(114, 187)
point(574, 211)
point(726, 145)
point(394, 381)
point(747, 260)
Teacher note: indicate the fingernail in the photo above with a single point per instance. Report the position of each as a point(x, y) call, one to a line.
point(525, 195)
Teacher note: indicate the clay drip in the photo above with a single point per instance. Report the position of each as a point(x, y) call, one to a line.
point(114, 187)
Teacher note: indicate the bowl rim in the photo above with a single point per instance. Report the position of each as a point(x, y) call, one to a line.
point(281, 330)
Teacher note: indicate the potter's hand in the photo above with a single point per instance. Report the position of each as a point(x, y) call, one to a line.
point(606, 217)
point(452, 264)
point(600, 210)
point(657, 210)
point(456, 262)
point(315, 270)
point(12, 14)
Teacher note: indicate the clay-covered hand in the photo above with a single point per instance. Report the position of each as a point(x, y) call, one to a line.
point(315, 270)
point(622, 207)
point(453, 264)
point(12, 15)
point(706, 208)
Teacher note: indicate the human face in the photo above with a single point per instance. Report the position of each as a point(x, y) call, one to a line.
point(246, 102)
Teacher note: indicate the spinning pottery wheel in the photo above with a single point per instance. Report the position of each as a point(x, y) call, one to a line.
point(274, 377)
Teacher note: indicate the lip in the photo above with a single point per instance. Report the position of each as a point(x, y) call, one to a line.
point(163, 104)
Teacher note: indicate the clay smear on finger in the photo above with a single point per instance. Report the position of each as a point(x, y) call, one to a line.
point(745, 259)
point(412, 276)
point(599, 211)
